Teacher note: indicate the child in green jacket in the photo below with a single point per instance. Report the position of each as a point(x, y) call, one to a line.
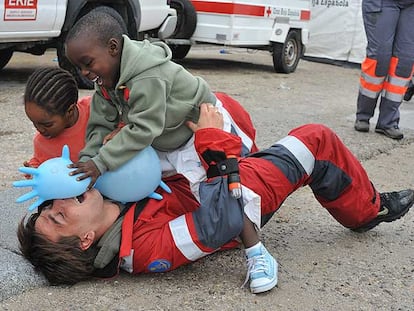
point(141, 95)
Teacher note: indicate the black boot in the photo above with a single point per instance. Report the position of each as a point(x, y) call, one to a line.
point(394, 205)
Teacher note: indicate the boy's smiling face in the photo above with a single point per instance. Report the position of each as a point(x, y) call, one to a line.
point(99, 62)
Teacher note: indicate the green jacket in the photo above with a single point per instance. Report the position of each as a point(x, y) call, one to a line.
point(162, 97)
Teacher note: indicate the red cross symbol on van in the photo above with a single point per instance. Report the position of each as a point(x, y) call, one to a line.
point(268, 11)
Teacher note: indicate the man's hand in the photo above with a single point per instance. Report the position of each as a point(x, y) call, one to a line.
point(88, 169)
point(210, 117)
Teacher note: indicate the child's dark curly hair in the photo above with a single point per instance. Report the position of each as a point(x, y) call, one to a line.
point(53, 89)
point(102, 23)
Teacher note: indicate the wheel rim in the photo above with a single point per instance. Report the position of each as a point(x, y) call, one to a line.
point(291, 52)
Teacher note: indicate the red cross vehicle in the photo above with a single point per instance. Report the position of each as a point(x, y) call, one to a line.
point(33, 26)
point(279, 26)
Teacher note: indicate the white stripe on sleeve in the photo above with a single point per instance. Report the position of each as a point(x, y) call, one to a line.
point(183, 239)
point(300, 151)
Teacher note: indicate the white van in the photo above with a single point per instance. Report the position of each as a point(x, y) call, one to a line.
point(33, 26)
point(280, 26)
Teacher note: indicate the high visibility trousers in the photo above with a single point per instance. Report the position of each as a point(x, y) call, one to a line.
point(388, 66)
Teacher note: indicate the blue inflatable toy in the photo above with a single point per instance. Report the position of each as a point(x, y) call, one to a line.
point(135, 180)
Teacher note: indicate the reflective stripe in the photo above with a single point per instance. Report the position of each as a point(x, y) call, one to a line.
point(370, 84)
point(300, 151)
point(398, 81)
point(371, 79)
point(393, 96)
point(395, 88)
point(369, 93)
point(183, 239)
point(229, 122)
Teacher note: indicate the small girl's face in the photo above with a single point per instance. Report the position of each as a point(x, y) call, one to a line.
point(97, 61)
point(49, 125)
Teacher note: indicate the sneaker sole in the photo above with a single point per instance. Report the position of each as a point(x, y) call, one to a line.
point(359, 129)
point(383, 132)
point(267, 287)
point(362, 127)
point(376, 222)
point(262, 289)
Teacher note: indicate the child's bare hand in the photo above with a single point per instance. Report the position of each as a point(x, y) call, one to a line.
point(26, 164)
point(88, 169)
point(210, 117)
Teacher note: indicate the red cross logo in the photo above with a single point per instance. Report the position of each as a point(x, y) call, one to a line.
point(268, 11)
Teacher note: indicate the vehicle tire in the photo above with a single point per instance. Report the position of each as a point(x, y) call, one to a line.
point(286, 55)
point(83, 82)
point(186, 25)
point(180, 51)
point(5, 56)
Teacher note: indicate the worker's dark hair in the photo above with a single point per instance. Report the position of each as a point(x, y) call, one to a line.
point(53, 89)
point(102, 23)
point(62, 262)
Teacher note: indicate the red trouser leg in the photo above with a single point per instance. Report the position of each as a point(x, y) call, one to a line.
point(338, 180)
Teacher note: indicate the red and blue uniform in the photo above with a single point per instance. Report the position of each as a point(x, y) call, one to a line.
point(178, 230)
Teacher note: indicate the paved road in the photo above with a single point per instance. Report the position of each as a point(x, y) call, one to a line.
point(323, 266)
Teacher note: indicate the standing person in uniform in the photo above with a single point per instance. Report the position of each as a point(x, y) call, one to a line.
point(388, 66)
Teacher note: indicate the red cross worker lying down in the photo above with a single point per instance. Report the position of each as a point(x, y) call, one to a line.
point(77, 239)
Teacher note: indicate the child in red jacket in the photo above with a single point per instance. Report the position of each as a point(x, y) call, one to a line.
point(51, 103)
